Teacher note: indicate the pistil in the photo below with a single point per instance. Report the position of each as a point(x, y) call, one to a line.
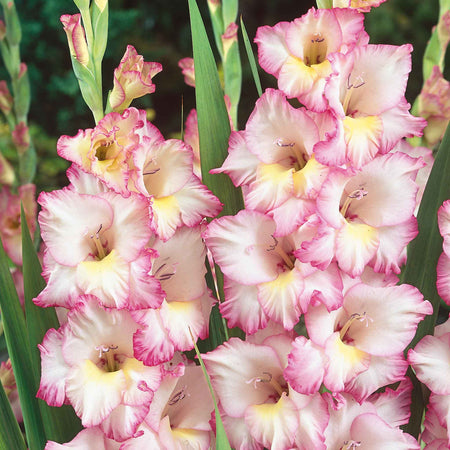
point(356, 316)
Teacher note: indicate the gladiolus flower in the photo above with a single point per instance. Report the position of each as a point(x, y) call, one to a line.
point(89, 363)
point(132, 79)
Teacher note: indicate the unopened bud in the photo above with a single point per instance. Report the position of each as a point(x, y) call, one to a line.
point(76, 37)
point(6, 100)
point(21, 138)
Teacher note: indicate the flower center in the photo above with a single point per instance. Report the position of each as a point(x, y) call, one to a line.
point(357, 194)
point(356, 316)
point(279, 388)
point(315, 50)
point(101, 251)
point(299, 158)
point(108, 357)
point(275, 247)
point(105, 150)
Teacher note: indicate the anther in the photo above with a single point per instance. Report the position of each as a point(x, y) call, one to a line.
point(178, 396)
point(358, 194)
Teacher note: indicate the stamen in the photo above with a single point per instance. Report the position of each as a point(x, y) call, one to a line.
point(297, 153)
point(105, 350)
point(358, 194)
point(315, 52)
point(359, 81)
point(152, 172)
point(178, 396)
point(274, 383)
point(164, 276)
point(276, 248)
point(351, 445)
point(356, 316)
point(98, 243)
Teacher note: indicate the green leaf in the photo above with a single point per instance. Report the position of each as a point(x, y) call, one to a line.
point(424, 252)
point(10, 434)
point(213, 122)
point(251, 58)
point(222, 442)
point(19, 352)
point(60, 424)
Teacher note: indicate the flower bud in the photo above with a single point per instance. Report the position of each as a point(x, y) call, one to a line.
point(187, 69)
point(434, 105)
point(6, 100)
point(21, 137)
point(76, 37)
point(229, 38)
point(132, 79)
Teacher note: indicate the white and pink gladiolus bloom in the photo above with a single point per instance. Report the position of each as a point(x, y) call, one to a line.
point(297, 53)
point(183, 316)
point(89, 363)
point(358, 347)
point(96, 244)
point(359, 5)
point(92, 437)
point(163, 173)
point(105, 150)
point(259, 406)
point(265, 281)
point(366, 94)
point(430, 360)
point(372, 424)
point(180, 413)
point(273, 160)
point(366, 216)
point(132, 79)
point(443, 267)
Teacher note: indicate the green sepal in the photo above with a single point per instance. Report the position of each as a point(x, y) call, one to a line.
point(27, 165)
point(60, 424)
point(222, 442)
point(229, 11)
point(251, 58)
point(22, 97)
point(10, 434)
point(12, 23)
point(100, 29)
point(213, 121)
point(435, 50)
point(88, 87)
point(425, 249)
point(19, 352)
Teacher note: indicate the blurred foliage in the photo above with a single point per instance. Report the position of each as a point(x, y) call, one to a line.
point(160, 32)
